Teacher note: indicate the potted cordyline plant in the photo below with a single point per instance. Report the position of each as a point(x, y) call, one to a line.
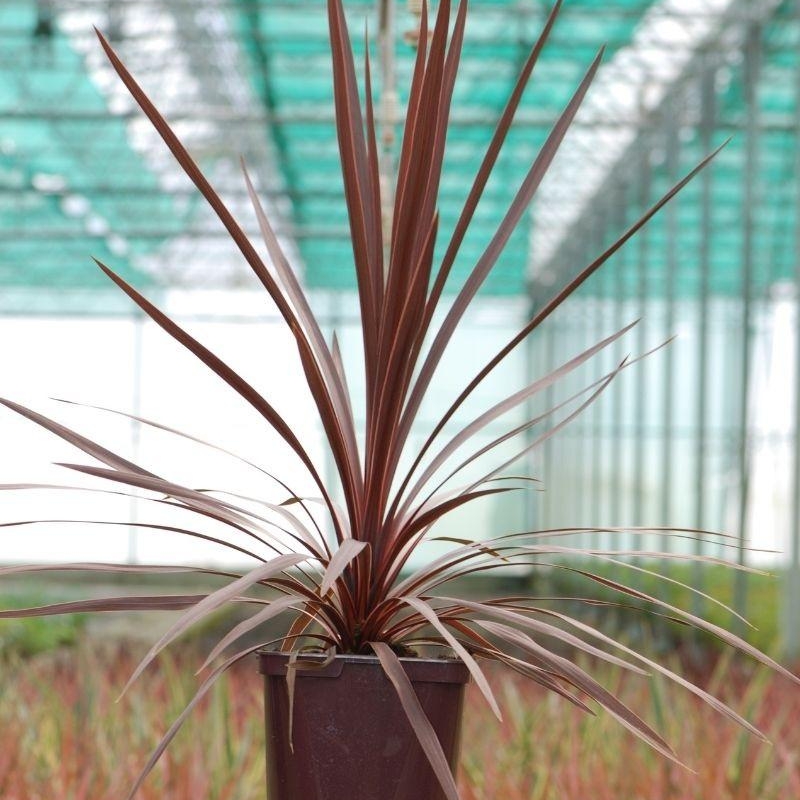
point(352, 709)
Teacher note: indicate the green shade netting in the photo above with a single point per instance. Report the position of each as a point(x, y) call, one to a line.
point(65, 165)
point(289, 58)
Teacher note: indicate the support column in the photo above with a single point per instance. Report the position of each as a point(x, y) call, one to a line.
point(617, 388)
point(389, 114)
point(672, 153)
point(136, 432)
point(707, 122)
point(752, 57)
point(790, 621)
point(640, 412)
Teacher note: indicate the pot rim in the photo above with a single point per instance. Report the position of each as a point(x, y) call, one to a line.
point(355, 657)
point(429, 670)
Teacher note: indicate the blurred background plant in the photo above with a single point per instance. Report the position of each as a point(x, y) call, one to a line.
point(29, 637)
point(61, 735)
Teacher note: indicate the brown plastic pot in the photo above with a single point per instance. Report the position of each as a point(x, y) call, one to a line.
point(351, 738)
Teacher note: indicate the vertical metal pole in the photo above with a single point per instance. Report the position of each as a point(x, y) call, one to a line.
point(330, 476)
point(136, 432)
point(597, 411)
point(668, 359)
point(530, 357)
point(615, 222)
point(534, 358)
point(616, 450)
point(639, 410)
point(548, 504)
point(580, 433)
point(791, 599)
point(707, 121)
point(586, 443)
point(749, 199)
point(388, 115)
point(536, 349)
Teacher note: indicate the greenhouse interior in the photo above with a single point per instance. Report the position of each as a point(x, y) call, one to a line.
point(701, 433)
point(672, 452)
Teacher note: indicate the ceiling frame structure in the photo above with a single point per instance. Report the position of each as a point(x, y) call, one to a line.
point(215, 68)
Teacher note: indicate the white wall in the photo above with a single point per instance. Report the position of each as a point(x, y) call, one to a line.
point(94, 361)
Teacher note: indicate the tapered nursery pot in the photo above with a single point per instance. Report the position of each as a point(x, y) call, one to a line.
point(351, 738)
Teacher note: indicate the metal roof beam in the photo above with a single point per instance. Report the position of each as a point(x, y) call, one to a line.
point(722, 43)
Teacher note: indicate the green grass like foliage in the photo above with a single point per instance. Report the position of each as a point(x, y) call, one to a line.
point(30, 637)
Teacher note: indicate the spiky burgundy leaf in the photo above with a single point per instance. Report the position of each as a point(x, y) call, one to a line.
point(351, 597)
